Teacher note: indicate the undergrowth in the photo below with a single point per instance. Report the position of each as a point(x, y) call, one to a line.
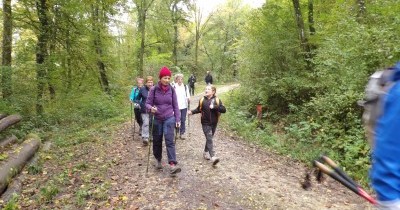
point(304, 141)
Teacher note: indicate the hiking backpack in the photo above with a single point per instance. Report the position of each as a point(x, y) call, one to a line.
point(377, 87)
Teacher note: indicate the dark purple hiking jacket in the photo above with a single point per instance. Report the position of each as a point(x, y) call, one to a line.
point(166, 103)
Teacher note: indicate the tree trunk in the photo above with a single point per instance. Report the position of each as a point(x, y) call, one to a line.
point(41, 52)
point(175, 20)
point(198, 17)
point(68, 61)
point(142, 31)
point(7, 141)
point(311, 17)
point(303, 37)
point(199, 30)
point(142, 8)
point(6, 52)
point(2, 116)
point(9, 121)
point(17, 161)
point(53, 29)
point(97, 23)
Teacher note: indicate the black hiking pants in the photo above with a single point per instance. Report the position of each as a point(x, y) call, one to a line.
point(209, 131)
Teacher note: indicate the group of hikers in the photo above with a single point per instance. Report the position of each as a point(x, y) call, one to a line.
point(160, 109)
point(164, 107)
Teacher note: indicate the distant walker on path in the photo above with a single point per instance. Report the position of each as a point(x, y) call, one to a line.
point(191, 81)
point(208, 79)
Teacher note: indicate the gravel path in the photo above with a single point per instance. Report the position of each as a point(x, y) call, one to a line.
point(247, 177)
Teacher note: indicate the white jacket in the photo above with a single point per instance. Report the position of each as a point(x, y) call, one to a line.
point(182, 94)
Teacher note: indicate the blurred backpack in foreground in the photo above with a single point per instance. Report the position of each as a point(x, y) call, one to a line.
point(377, 87)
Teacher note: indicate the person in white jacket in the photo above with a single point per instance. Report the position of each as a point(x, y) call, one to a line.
point(183, 96)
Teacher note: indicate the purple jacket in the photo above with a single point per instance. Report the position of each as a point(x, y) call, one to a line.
point(166, 103)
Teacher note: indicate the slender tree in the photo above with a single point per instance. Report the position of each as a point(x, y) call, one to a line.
point(41, 51)
point(200, 29)
point(7, 48)
point(302, 34)
point(311, 16)
point(175, 19)
point(178, 15)
point(97, 15)
point(142, 7)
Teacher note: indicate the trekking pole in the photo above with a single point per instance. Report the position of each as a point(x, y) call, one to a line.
point(150, 140)
point(134, 126)
point(131, 113)
point(339, 175)
point(188, 119)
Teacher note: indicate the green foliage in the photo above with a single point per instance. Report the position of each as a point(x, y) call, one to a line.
point(12, 204)
point(316, 107)
point(3, 156)
point(81, 196)
point(48, 192)
point(35, 169)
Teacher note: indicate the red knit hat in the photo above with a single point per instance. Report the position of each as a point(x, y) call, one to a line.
point(164, 72)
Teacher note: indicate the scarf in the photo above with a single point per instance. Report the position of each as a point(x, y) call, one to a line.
point(164, 88)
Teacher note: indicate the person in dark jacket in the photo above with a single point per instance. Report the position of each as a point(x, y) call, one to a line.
point(210, 108)
point(163, 103)
point(191, 81)
point(141, 99)
point(208, 79)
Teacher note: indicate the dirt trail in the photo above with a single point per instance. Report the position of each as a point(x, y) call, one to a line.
point(247, 177)
point(101, 174)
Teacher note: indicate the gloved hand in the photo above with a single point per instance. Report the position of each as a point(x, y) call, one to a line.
point(136, 105)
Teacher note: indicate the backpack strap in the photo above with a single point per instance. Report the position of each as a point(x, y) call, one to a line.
point(186, 90)
point(155, 88)
point(201, 103)
point(202, 99)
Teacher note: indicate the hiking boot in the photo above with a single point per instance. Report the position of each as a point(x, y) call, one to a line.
point(206, 155)
point(145, 141)
point(183, 136)
point(214, 160)
point(159, 164)
point(174, 169)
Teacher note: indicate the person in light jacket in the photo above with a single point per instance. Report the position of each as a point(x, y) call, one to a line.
point(183, 96)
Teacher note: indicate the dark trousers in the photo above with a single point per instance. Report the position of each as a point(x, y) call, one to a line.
point(209, 131)
point(138, 117)
point(183, 121)
point(164, 128)
point(191, 90)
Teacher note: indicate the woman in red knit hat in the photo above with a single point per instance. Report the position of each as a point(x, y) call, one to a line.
point(162, 102)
